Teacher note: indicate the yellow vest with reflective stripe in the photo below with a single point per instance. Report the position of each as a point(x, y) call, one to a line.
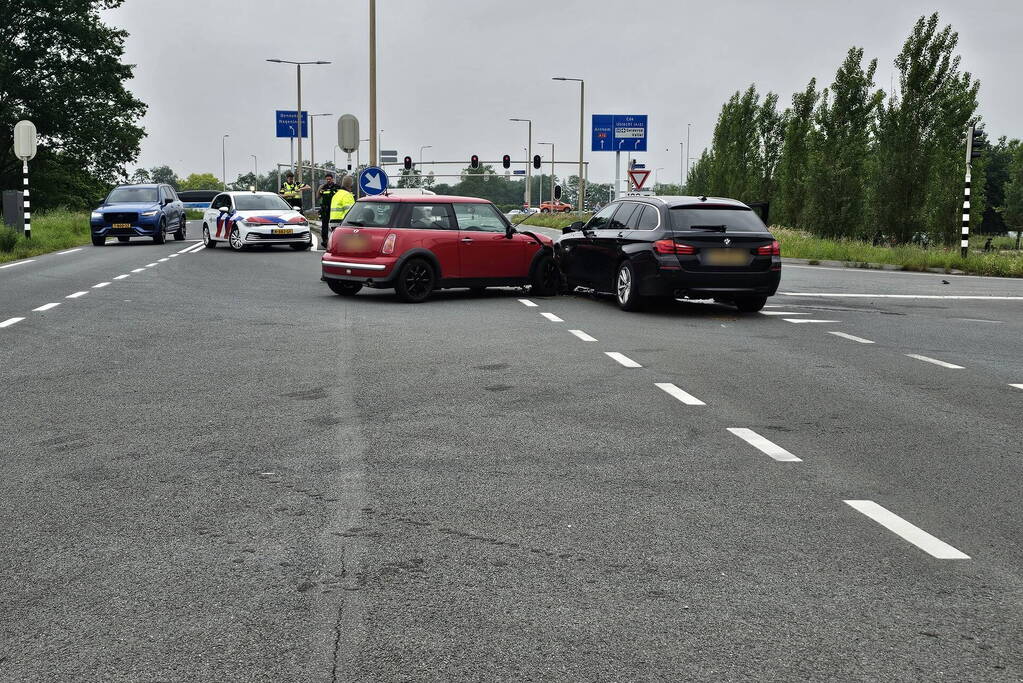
point(289, 190)
point(339, 205)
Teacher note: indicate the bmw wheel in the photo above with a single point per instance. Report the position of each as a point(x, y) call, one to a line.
point(236, 239)
point(625, 288)
point(415, 281)
point(545, 278)
point(206, 239)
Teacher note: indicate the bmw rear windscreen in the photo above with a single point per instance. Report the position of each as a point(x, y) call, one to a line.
point(685, 218)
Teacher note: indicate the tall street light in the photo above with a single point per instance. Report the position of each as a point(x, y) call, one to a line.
point(689, 152)
point(223, 157)
point(298, 110)
point(421, 156)
point(372, 82)
point(582, 108)
point(552, 170)
point(312, 147)
point(255, 165)
point(529, 162)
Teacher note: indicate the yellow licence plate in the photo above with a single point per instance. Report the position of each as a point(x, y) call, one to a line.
point(726, 257)
point(121, 226)
point(281, 231)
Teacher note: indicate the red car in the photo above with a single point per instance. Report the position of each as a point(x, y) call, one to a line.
point(418, 243)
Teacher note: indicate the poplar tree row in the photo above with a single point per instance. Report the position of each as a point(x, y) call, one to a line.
point(849, 160)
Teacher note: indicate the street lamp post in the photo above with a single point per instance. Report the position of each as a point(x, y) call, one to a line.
point(529, 162)
point(421, 156)
point(223, 158)
point(657, 174)
point(312, 148)
point(372, 82)
point(689, 152)
point(582, 108)
point(552, 169)
point(298, 110)
point(255, 166)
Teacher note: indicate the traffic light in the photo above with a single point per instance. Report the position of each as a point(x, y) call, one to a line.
point(557, 192)
point(474, 161)
point(408, 163)
point(536, 161)
point(979, 142)
point(506, 161)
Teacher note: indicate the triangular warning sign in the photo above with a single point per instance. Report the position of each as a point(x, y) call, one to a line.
point(639, 176)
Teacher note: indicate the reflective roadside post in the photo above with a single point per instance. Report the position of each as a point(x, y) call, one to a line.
point(25, 140)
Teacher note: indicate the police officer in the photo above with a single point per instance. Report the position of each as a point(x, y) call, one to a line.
point(341, 202)
point(326, 192)
point(292, 191)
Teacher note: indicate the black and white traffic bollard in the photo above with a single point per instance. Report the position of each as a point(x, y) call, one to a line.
point(27, 205)
point(965, 244)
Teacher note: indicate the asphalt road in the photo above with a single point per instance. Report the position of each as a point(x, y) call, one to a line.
point(214, 469)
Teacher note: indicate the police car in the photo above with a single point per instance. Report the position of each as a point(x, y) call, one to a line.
point(244, 219)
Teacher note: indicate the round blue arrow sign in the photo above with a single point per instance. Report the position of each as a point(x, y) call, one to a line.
point(373, 180)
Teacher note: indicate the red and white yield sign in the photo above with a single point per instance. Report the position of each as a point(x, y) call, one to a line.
point(639, 176)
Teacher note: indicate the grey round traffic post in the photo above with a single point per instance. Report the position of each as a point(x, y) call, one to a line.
point(25, 149)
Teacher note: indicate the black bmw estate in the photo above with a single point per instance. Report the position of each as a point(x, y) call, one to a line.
point(639, 247)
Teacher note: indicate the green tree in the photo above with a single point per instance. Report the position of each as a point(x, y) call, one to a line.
point(795, 158)
point(60, 67)
point(840, 148)
point(917, 171)
point(996, 176)
point(746, 147)
point(699, 175)
point(166, 175)
point(1012, 208)
point(204, 181)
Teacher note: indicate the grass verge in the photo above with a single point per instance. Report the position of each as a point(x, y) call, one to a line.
point(555, 221)
point(51, 231)
point(800, 244)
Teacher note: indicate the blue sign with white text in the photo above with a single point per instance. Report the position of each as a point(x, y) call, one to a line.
point(373, 180)
point(286, 123)
point(619, 133)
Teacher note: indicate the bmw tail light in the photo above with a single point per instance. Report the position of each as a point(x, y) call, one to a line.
point(673, 247)
point(772, 249)
point(388, 247)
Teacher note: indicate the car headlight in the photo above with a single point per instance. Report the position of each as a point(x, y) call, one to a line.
point(150, 213)
point(97, 215)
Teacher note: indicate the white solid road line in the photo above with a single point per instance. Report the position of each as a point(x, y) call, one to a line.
point(46, 307)
point(100, 285)
point(553, 318)
point(138, 270)
point(850, 337)
point(10, 321)
point(17, 263)
point(673, 390)
point(942, 363)
point(808, 320)
point(934, 547)
point(904, 296)
point(69, 251)
point(121, 277)
point(75, 295)
point(623, 359)
point(1018, 386)
point(761, 444)
point(582, 335)
point(782, 313)
point(527, 302)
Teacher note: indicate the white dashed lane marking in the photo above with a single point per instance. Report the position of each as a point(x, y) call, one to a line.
point(623, 359)
point(75, 295)
point(934, 547)
point(138, 270)
point(69, 251)
point(850, 337)
point(782, 313)
point(808, 320)
point(150, 265)
point(121, 277)
point(10, 321)
point(553, 318)
point(46, 307)
point(527, 302)
point(942, 363)
point(100, 285)
point(681, 395)
point(19, 263)
point(761, 444)
point(582, 335)
point(1018, 386)
point(161, 260)
point(904, 296)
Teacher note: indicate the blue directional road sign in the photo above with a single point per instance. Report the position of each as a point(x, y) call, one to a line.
point(619, 133)
point(286, 123)
point(373, 180)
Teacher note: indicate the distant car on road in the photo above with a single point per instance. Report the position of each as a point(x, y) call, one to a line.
point(695, 247)
point(555, 207)
point(138, 211)
point(244, 219)
point(416, 245)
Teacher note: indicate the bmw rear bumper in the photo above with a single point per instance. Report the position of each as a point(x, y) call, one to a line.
point(709, 284)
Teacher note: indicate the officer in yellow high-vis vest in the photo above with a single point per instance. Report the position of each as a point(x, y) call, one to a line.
point(341, 202)
point(292, 191)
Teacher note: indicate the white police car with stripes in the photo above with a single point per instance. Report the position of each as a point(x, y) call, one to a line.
point(244, 219)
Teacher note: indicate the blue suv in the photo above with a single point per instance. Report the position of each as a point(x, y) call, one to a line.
point(139, 211)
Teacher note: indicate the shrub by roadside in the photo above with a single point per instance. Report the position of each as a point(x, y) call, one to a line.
point(556, 221)
point(51, 231)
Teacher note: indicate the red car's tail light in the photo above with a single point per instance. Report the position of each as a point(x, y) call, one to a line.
point(673, 247)
point(772, 249)
point(388, 247)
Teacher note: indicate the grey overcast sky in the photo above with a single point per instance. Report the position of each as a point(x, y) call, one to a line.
point(451, 72)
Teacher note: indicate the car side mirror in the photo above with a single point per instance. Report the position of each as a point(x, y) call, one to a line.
point(578, 225)
point(223, 209)
point(168, 201)
point(509, 232)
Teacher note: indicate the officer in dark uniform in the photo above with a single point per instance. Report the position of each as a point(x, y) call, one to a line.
point(326, 193)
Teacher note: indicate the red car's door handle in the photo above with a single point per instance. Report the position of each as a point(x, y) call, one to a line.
point(467, 240)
